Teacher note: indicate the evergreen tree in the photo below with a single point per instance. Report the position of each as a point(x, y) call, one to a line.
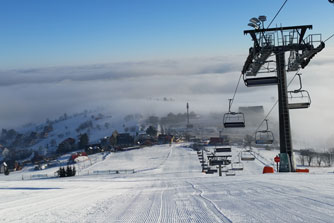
point(83, 141)
point(62, 172)
point(68, 171)
point(73, 171)
point(64, 147)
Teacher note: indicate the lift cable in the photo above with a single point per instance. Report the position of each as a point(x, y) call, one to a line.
point(277, 13)
point(272, 108)
point(235, 91)
point(329, 38)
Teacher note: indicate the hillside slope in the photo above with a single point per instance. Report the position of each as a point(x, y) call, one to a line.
point(168, 186)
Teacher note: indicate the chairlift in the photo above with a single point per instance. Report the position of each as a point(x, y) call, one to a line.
point(237, 166)
point(233, 119)
point(264, 136)
point(299, 99)
point(247, 156)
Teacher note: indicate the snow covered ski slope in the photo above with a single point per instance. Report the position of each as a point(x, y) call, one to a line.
point(168, 186)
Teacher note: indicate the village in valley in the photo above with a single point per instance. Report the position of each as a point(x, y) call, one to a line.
point(78, 136)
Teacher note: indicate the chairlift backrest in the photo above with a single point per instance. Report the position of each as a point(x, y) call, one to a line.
point(233, 119)
point(264, 136)
point(299, 99)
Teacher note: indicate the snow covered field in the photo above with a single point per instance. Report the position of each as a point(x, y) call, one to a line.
point(168, 186)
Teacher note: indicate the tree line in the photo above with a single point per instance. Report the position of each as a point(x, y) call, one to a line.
point(310, 157)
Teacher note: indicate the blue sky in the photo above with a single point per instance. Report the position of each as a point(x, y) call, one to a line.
point(42, 33)
point(61, 56)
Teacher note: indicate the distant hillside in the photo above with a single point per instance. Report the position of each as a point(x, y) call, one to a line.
point(45, 137)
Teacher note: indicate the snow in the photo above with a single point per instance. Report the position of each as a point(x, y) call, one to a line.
point(65, 128)
point(168, 186)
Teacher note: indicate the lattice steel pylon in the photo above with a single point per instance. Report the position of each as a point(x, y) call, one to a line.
point(275, 42)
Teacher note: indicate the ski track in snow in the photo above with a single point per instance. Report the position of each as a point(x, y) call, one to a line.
point(168, 186)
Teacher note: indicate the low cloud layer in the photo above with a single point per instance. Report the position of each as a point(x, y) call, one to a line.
point(119, 71)
point(32, 95)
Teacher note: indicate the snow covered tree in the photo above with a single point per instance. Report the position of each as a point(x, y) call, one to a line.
point(74, 171)
point(151, 131)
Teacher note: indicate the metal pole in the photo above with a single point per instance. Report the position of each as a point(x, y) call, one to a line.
point(284, 116)
point(220, 170)
point(277, 167)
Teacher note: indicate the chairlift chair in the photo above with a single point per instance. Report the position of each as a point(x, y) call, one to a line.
point(260, 81)
point(252, 80)
point(264, 136)
point(237, 166)
point(247, 156)
point(233, 119)
point(299, 99)
point(230, 173)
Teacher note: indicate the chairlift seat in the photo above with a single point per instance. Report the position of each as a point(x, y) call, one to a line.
point(247, 156)
point(264, 141)
point(261, 81)
point(234, 125)
point(230, 173)
point(237, 166)
point(264, 136)
point(223, 150)
point(299, 105)
point(234, 120)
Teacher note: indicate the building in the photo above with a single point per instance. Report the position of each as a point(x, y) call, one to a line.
point(124, 140)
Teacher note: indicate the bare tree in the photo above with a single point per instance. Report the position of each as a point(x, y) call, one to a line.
point(302, 159)
point(331, 155)
point(326, 157)
point(248, 141)
point(309, 155)
point(319, 158)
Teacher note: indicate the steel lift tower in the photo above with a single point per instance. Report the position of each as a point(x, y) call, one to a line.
point(266, 57)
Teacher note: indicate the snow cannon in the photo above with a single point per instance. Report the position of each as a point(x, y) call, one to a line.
point(268, 169)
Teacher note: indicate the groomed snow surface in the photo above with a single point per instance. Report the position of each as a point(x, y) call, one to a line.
point(167, 186)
